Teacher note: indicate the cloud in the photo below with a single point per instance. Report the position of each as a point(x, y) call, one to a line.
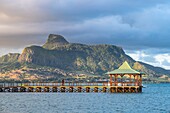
point(163, 59)
point(141, 28)
point(137, 23)
point(138, 55)
point(70, 10)
point(155, 59)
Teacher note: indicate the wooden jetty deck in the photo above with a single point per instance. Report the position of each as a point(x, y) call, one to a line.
point(68, 87)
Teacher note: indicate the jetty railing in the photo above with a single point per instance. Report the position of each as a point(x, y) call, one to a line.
point(68, 84)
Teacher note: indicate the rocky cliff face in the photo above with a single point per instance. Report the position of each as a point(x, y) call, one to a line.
point(55, 41)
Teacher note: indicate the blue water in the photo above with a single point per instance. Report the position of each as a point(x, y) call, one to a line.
point(154, 99)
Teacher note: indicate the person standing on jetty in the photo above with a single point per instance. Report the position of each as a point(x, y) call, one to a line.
point(62, 82)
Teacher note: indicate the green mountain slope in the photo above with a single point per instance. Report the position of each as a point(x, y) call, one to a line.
point(95, 59)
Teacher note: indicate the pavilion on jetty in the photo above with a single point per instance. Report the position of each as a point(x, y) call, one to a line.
point(126, 79)
point(122, 80)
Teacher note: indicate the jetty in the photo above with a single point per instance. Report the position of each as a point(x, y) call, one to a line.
point(122, 80)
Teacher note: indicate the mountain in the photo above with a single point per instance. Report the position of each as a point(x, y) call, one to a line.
point(11, 57)
point(57, 57)
point(96, 59)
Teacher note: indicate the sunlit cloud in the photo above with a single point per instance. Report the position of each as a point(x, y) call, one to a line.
point(156, 59)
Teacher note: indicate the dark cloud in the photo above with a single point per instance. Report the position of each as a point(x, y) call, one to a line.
point(107, 21)
point(68, 10)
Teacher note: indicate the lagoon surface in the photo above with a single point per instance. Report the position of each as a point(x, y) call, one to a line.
point(154, 99)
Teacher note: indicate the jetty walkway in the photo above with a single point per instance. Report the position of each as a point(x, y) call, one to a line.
point(69, 87)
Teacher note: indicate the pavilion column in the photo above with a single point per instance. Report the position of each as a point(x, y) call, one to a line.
point(134, 80)
point(122, 79)
point(110, 79)
point(137, 81)
point(130, 79)
point(140, 80)
point(116, 79)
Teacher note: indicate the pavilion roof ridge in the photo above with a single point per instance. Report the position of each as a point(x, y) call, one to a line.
point(124, 69)
point(125, 65)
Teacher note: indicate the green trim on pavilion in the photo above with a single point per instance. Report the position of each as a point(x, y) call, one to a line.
point(124, 69)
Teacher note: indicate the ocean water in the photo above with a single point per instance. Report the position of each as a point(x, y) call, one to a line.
point(154, 99)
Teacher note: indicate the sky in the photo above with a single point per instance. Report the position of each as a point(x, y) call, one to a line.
point(140, 27)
